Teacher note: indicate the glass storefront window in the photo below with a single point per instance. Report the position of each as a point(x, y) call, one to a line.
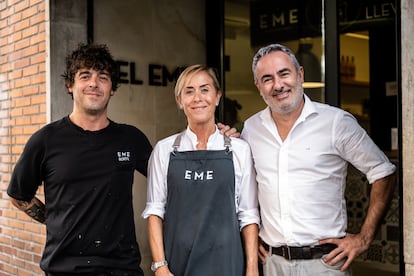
point(250, 25)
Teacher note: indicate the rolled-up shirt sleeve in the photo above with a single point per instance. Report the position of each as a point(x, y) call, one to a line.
point(156, 184)
point(355, 145)
point(246, 187)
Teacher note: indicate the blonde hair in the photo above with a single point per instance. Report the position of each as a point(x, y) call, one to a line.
point(189, 72)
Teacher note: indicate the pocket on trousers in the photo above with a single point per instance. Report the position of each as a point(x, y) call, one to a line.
point(333, 267)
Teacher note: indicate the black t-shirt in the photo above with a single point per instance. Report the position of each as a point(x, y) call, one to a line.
point(87, 177)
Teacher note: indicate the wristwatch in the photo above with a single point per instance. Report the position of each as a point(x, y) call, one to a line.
point(156, 265)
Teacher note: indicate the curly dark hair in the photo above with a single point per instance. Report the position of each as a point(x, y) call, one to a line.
point(91, 56)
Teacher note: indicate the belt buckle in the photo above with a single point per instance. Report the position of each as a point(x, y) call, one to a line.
point(286, 252)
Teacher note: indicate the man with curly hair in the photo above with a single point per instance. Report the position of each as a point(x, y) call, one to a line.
point(86, 163)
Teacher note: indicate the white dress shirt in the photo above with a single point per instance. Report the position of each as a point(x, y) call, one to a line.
point(245, 183)
point(302, 179)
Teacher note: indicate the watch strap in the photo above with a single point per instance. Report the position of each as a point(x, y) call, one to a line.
point(156, 265)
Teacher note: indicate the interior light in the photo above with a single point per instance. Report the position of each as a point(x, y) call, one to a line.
point(357, 35)
point(310, 84)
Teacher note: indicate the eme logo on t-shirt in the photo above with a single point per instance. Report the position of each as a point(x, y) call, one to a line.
point(123, 156)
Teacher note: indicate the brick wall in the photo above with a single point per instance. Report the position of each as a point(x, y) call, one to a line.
point(22, 111)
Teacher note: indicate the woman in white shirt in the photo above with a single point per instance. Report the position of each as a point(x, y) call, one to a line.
point(202, 191)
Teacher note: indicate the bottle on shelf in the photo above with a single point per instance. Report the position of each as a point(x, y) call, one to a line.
point(347, 68)
point(351, 69)
point(342, 68)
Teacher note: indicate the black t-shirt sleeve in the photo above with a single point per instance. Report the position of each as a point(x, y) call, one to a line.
point(144, 149)
point(27, 174)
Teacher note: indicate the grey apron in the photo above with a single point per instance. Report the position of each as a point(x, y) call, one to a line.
point(201, 229)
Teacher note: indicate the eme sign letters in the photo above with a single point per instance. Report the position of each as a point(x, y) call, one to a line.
point(158, 75)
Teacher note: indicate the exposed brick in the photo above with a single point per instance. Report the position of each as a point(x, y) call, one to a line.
point(42, 68)
point(30, 31)
point(34, 2)
point(3, 59)
point(16, 131)
point(39, 120)
point(22, 112)
point(16, 74)
point(38, 38)
point(21, 82)
point(38, 78)
point(37, 18)
point(22, 63)
point(10, 269)
point(16, 36)
point(21, 5)
point(38, 98)
point(16, 55)
point(16, 112)
point(20, 140)
point(18, 244)
point(6, 68)
point(32, 50)
point(30, 70)
point(27, 13)
point(14, 19)
point(7, 49)
point(16, 93)
point(19, 102)
point(29, 129)
point(31, 90)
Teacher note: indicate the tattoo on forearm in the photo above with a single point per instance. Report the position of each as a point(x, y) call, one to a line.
point(36, 213)
point(35, 209)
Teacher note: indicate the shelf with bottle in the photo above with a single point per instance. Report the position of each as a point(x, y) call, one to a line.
point(347, 68)
point(355, 83)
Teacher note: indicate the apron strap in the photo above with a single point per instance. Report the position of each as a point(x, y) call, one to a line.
point(177, 142)
point(227, 143)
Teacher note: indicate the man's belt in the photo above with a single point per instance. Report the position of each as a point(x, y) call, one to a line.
point(302, 252)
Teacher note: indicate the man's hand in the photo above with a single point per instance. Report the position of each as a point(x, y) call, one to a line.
point(228, 131)
point(262, 253)
point(349, 247)
point(352, 245)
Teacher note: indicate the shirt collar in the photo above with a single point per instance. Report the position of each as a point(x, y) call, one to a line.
point(193, 137)
point(308, 108)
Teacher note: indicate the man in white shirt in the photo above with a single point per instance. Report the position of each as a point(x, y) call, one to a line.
point(301, 151)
